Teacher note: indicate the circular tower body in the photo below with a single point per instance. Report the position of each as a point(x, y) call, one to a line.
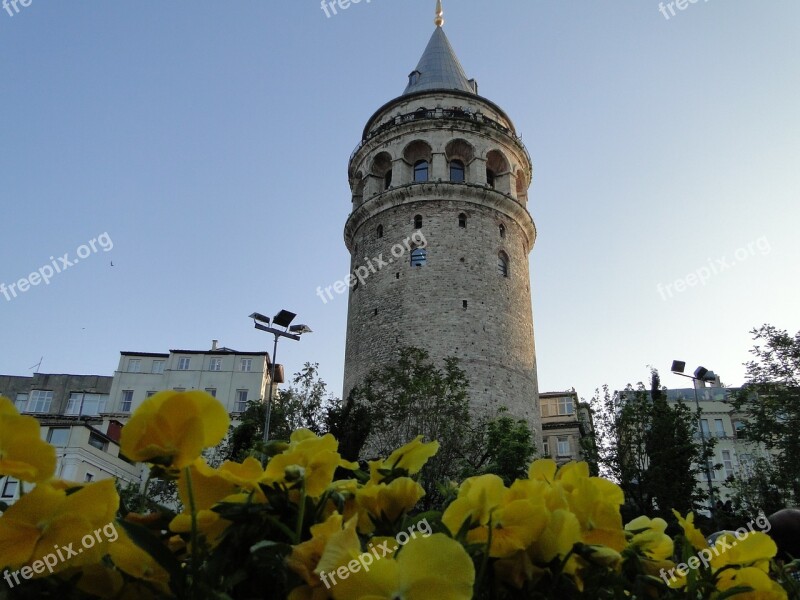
point(439, 237)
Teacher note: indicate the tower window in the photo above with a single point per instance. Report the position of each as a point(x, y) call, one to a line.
point(464, 303)
point(462, 220)
point(417, 221)
point(421, 170)
point(490, 178)
point(457, 171)
point(380, 231)
point(419, 256)
point(387, 180)
point(502, 230)
point(502, 264)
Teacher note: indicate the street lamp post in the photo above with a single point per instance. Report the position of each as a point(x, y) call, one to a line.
point(282, 319)
point(700, 374)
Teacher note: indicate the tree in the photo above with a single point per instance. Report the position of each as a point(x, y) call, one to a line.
point(647, 445)
point(770, 399)
point(509, 448)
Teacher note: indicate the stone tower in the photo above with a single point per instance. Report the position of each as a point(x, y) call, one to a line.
point(440, 234)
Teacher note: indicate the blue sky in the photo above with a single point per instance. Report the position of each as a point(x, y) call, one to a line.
point(210, 140)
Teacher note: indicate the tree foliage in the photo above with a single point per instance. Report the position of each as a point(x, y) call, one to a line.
point(770, 400)
point(648, 445)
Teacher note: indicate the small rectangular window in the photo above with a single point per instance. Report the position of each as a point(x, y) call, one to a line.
point(215, 364)
point(58, 436)
point(134, 365)
point(158, 367)
point(241, 401)
point(10, 488)
point(88, 477)
point(183, 363)
point(126, 401)
point(563, 447)
point(21, 402)
point(247, 365)
point(40, 401)
point(150, 393)
point(212, 391)
point(97, 442)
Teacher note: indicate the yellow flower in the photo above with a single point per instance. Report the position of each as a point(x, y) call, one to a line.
point(48, 517)
point(131, 559)
point(596, 504)
point(306, 556)
point(696, 539)
point(763, 588)
point(425, 568)
point(23, 453)
point(313, 458)
point(754, 550)
point(409, 458)
point(648, 537)
point(387, 501)
point(172, 428)
point(562, 532)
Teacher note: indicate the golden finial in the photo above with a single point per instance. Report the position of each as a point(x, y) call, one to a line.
point(439, 20)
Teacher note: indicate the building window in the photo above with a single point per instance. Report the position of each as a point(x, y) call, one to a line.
point(719, 428)
point(241, 401)
point(739, 428)
point(150, 393)
point(462, 220)
point(490, 178)
point(417, 221)
point(502, 230)
point(212, 391)
point(563, 446)
point(158, 367)
point(456, 171)
point(215, 364)
point(21, 402)
point(728, 463)
point(704, 428)
point(420, 171)
point(502, 264)
point(247, 365)
point(40, 401)
point(134, 365)
point(10, 488)
point(97, 442)
point(419, 256)
point(179, 389)
point(546, 448)
point(58, 436)
point(711, 470)
point(387, 180)
point(88, 477)
point(86, 404)
point(565, 406)
point(183, 363)
point(127, 400)
point(380, 231)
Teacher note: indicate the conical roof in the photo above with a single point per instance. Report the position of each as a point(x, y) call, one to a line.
point(439, 68)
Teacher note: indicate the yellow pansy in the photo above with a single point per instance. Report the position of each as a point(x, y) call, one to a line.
point(562, 532)
point(306, 556)
point(426, 567)
point(598, 513)
point(172, 428)
point(763, 588)
point(409, 458)
point(131, 559)
point(478, 498)
point(48, 517)
point(690, 532)
point(387, 501)
point(309, 456)
point(23, 453)
point(752, 550)
point(648, 537)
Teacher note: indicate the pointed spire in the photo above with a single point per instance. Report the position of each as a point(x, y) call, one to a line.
point(439, 20)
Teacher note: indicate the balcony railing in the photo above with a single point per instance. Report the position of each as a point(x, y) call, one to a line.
point(458, 114)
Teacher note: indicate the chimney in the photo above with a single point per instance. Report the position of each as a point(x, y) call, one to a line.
point(214, 344)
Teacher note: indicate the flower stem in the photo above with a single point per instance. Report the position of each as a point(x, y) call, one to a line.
point(301, 514)
point(195, 555)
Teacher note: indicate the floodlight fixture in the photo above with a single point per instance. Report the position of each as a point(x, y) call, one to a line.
point(283, 318)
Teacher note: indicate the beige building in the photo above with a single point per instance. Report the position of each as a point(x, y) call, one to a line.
point(566, 426)
point(68, 408)
point(233, 377)
point(440, 231)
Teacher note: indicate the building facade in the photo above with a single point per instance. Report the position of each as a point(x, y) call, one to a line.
point(70, 410)
point(233, 377)
point(439, 188)
point(566, 426)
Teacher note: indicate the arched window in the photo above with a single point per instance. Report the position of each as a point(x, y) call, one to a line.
point(417, 221)
point(387, 180)
point(419, 256)
point(421, 170)
point(380, 231)
point(462, 220)
point(502, 230)
point(502, 264)
point(490, 178)
point(456, 171)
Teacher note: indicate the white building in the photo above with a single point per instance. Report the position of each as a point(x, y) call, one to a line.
point(234, 378)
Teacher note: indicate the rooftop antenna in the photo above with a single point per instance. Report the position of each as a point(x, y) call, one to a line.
point(36, 366)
